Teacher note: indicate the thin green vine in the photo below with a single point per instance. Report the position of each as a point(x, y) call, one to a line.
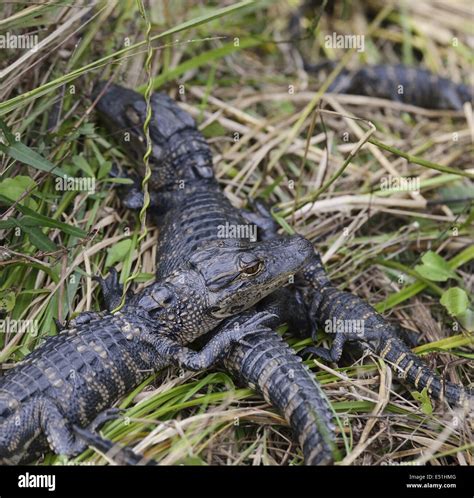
point(148, 151)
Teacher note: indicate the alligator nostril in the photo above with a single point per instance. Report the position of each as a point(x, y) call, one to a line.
point(147, 303)
point(162, 296)
point(203, 171)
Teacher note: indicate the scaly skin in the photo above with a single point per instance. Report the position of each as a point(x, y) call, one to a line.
point(189, 208)
point(267, 364)
point(399, 83)
point(337, 308)
point(66, 383)
point(363, 324)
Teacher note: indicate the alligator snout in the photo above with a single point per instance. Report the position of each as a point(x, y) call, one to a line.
point(299, 248)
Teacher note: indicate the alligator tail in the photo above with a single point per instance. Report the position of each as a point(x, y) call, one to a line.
point(266, 363)
point(410, 367)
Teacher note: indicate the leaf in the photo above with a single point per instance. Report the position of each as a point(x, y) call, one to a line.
point(121, 181)
point(458, 190)
point(24, 154)
point(81, 163)
point(38, 238)
point(424, 399)
point(6, 224)
point(434, 268)
point(7, 301)
point(118, 252)
point(267, 191)
point(42, 220)
point(104, 169)
point(15, 187)
point(202, 59)
point(144, 277)
point(214, 129)
point(455, 300)
point(283, 223)
point(446, 344)
point(466, 319)
point(29, 265)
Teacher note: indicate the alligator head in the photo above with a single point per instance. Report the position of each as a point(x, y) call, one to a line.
point(223, 279)
point(179, 152)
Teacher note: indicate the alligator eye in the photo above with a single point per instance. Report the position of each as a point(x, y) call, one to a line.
point(252, 270)
point(132, 115)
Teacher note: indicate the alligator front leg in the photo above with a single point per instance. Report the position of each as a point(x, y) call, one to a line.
point(262, 218)
point(112, 294)
point(132, 194)
point(288, 306)
point(112, 290)
point(169, 349)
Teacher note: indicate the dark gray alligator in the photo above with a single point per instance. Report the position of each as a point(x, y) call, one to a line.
point(398, 82)
point(409, 85)
point(68, 381)
point(191, 211)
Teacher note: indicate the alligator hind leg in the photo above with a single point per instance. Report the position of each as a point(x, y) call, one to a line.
point(232, 332)
point(340, 339)
point(39, 416)
point(350, 318)
point(119, 454)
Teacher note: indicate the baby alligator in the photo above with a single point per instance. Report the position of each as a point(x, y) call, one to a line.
point(410, 85)
point(191, 211)
point(397, 82)
point(67, 382)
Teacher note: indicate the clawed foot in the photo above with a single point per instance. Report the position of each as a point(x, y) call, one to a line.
point(105, 416)
point(84, 318)
point(262, 218)
point(323, 353)
point(256, 324)
point(112, 289)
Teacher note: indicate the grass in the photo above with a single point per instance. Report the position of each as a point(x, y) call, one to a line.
point(322, 171)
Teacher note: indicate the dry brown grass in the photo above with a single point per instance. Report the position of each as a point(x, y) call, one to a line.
point(204, 418)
